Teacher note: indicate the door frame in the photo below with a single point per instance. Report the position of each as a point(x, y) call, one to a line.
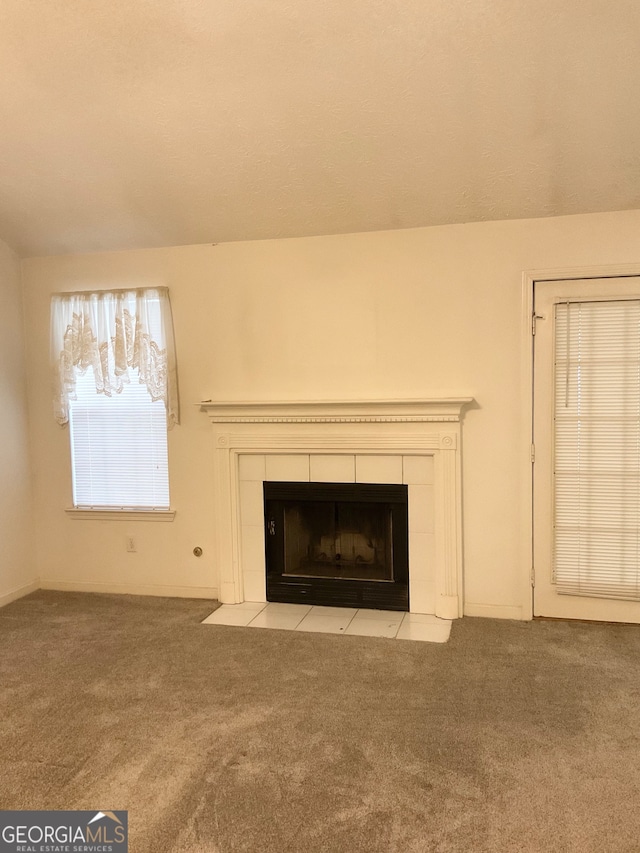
point(529, 279)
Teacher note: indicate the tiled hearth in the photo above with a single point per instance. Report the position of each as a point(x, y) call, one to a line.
point(412, 442)
point(333, 620)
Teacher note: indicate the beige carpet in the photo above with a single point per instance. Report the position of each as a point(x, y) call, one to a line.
point(511, 737)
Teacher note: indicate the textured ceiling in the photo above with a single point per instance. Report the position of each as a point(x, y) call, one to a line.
point(166, 122)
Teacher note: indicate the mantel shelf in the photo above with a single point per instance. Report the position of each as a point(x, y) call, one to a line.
point(426, 410)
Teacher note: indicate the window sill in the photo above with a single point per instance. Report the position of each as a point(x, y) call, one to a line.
point(121, 514)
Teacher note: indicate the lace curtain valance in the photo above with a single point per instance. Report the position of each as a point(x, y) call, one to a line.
point(113, 331)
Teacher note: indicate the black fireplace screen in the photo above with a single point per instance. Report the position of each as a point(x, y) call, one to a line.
point(334, 543)
point(338, 539)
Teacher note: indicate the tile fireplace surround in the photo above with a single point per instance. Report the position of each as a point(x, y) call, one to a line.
point(416, 442)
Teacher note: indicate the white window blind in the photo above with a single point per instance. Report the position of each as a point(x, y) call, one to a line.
point(118, 447)
point(597, 449)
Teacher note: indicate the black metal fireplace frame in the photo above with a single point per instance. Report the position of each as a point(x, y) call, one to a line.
point(338, 592)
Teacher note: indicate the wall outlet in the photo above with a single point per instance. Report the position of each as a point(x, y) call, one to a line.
point(131, 544)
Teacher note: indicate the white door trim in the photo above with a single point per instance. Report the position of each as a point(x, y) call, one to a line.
point(529, 278)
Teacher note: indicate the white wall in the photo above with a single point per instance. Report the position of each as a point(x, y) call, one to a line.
point(17, 563)
point(388, 314)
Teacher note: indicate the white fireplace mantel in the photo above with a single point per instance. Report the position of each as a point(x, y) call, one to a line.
point(416, 442)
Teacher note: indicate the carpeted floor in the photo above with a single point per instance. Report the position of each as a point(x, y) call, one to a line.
point(511, 737)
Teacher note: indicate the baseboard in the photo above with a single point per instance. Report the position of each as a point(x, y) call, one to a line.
point(19, 592)
point(494, 611)
point(209, 592)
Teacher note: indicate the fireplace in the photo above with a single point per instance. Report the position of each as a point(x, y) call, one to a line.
point(411, 443)
point(337, 544)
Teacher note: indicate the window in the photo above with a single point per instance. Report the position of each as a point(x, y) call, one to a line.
point(116, 386)
point(118, 447)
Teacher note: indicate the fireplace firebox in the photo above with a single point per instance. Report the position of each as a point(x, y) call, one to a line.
point(340, 544)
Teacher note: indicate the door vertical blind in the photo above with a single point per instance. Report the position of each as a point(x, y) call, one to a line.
point(597, 449)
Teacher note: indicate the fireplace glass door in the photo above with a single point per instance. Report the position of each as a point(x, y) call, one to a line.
point(337, 544)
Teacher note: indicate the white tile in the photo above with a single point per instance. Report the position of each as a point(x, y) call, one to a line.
point(323, 623)
point(321, 610)
point(382, 615)
point(424, 619)
point(378, 469)
point(252, 538)
point(421, 509)
point(427, 632)
point(286, 620)
point(332, 469)
point(255, 587)
point(234, 614)
point(251, 503)
point(417, 470)
point(251, 466)
point(290, 467)
point(372, 628)
point(422, 556)
point(422, 595)
point(282, 607)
